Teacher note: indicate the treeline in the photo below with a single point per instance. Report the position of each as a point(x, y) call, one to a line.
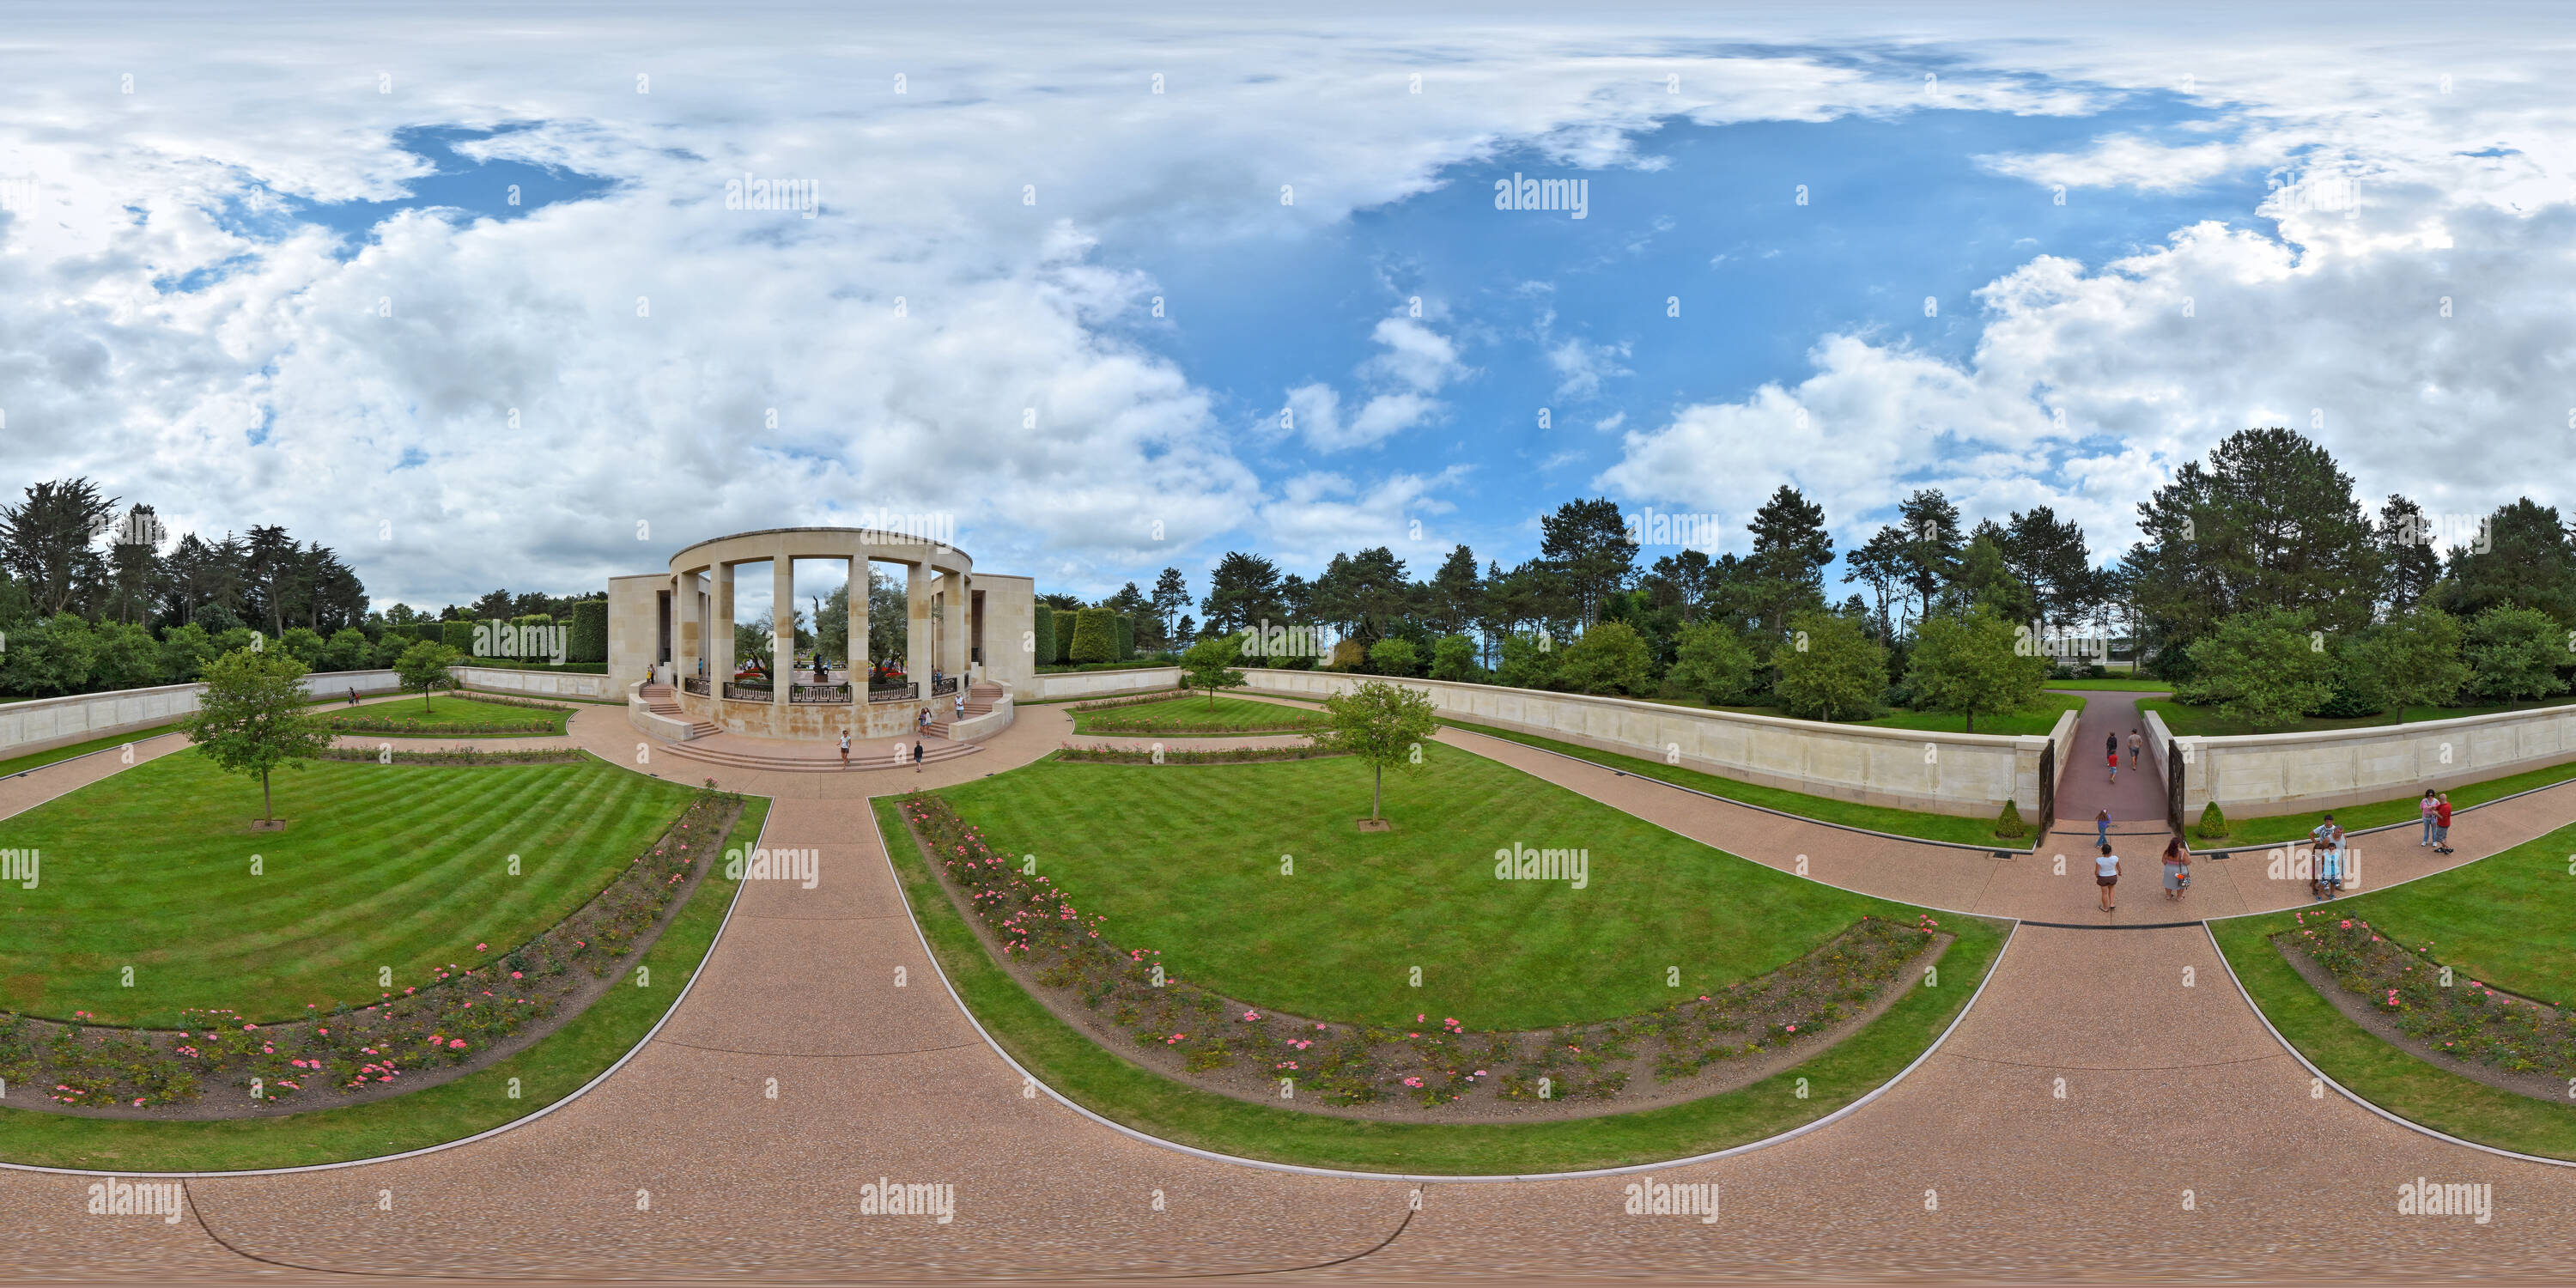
point(2262, 542)
point(94, 595)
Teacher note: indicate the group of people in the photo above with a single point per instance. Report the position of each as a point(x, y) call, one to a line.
point(2111, 752)
point(2328, 871)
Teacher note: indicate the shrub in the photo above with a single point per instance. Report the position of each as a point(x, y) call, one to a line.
point(347, 650)
point(1126, 628)
point(1063, 636)
point(589, 642)
point(1528, 661)
point(1609, 658)
point(185, 650)
point(1042, 648)
point(2212, 824)
point(1393, 657)
point(302, 645)
point(2009, 823)
point(1711, 662)
point(2514, 653)
point(458, 635)
point(1828, 669)
point(1453, 658)
point(2262, 668)
point(1095, 635)
point(1348, 655)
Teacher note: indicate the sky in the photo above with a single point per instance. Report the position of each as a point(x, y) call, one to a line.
point(460, 292)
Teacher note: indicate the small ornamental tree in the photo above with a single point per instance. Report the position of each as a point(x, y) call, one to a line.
point(253, 717)
point(422, 668)
point(1967, 663)
point(1827, 669)
point(1710, 661)
point(1095, 635)
point(1384, 725)
point(1209, 664)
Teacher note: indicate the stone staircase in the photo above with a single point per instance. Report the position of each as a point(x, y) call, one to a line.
point(738, 753)
point(979, 701)
point(662, 700)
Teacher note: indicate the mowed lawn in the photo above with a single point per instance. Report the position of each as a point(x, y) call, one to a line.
point(1197, 713)
point(440, 710)
point(405, 866)
point(1186, 860)
point(2038, 719)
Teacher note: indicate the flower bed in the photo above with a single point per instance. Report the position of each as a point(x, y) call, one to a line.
point(1130, 700)
point(1398, 1071)
point(457, 756)
point(2466, 1019)
point(440, 728)
point(456, 1019)
point(1220, 756)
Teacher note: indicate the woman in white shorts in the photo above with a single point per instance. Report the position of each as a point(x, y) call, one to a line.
point(2106, 874)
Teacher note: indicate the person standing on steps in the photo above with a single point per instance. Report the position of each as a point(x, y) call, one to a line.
point(2134, 745)
point(2177, 869)
point(2106, 874)
point(2102, 827)
point(845, 749)
point(916, 755)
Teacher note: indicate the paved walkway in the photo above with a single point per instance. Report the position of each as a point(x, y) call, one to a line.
point(2171, 1087)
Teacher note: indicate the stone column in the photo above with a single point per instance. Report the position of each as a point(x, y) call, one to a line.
point(719, 631)
point(782, 617)
point(858, 649)
point(688, 638)
point(917, 652)
point(953, 634)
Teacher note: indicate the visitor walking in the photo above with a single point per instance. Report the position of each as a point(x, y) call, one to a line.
point(2177, 869)
point(2426, 808)
point(2111, 748)
point(353, 695)
point(845, 749)
point(2442, 824)
point(2102, 827)
point(2134, 745)
point(961, 704)
point(2106, 874)
point(916, 755)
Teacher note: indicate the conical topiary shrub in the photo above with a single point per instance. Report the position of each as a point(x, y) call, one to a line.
point(2212, 824)
point(2009, 824)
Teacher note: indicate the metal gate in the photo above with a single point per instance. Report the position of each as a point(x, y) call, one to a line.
point(2047, 787)
point(2173, 786)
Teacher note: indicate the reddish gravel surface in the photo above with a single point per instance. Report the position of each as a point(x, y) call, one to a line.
point(2169, 1089)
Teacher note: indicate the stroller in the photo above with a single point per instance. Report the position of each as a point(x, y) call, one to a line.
point(2328, 881)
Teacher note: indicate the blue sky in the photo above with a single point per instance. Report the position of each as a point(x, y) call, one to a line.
point(319, 308)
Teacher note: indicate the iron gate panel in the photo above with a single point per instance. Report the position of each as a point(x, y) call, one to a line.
point(2047, 787)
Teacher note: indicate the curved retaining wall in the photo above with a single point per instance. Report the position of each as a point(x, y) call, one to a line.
point(539, 684)
point(2252, 775)
point(1101, 684)
point(42, 724)
point(1939, 773)
point(648, 721)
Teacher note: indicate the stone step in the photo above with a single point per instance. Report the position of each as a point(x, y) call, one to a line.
point(936, 751)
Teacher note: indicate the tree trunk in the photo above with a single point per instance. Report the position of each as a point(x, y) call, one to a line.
point(267, 803)
point(1377, 795)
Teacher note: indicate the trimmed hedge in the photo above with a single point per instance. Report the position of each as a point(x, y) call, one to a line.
point(589, 642)
point(458, 635)
point(1063, 635)
point(1095, 635)
point(1042, 651)
point(1126, 637)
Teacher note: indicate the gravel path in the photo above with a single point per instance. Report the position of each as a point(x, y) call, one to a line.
point(2169, 1089)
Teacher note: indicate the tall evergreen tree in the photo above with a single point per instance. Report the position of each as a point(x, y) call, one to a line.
point(49, 542)
point(1588, 543)
point(2528, 562)
point(2408, 563)
point(1791, 550)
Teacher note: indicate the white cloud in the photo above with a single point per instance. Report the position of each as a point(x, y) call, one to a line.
point(1581, 367)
